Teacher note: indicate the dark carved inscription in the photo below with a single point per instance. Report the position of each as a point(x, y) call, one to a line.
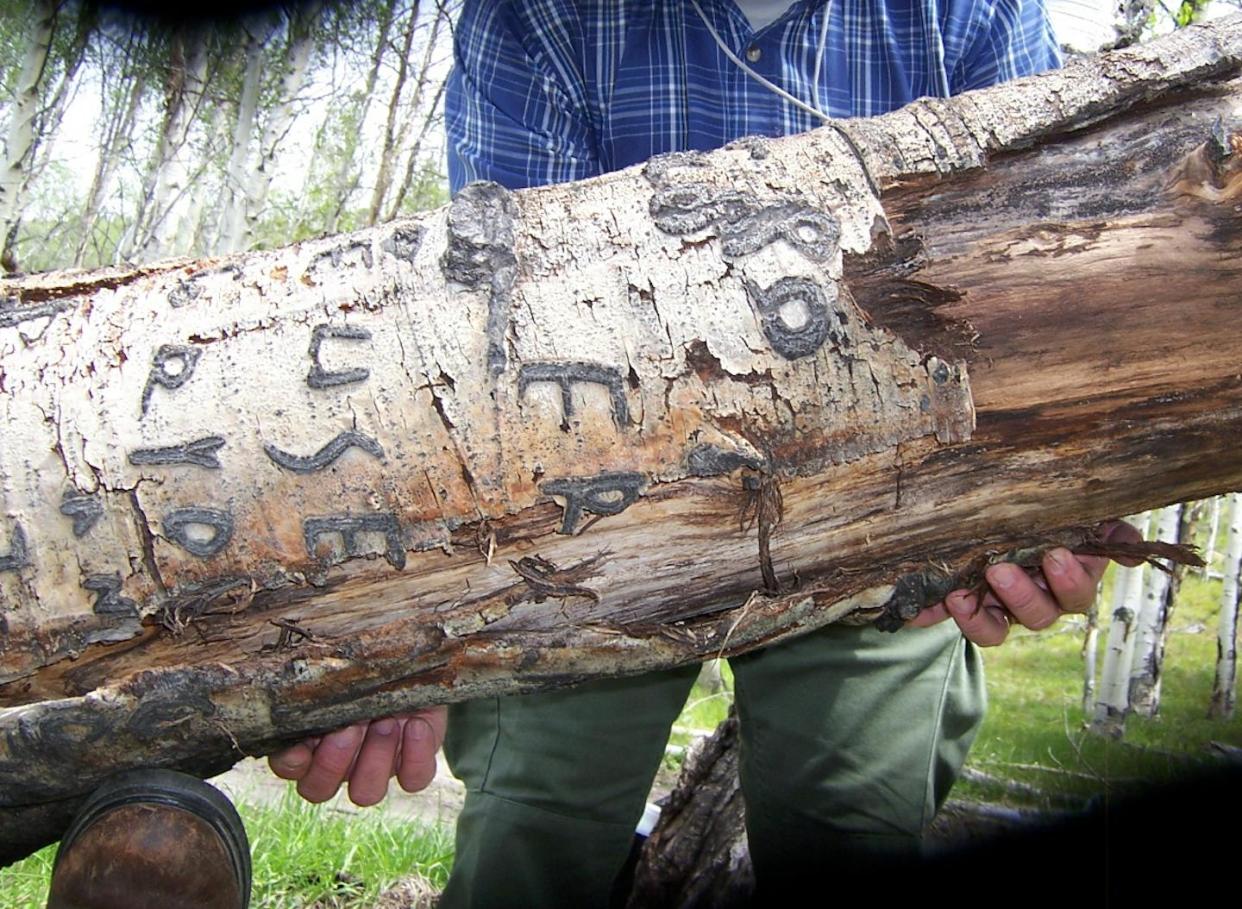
point(479, 254)
point(795, 339)
point(318, 377)
point(18, 555)
point(84, 508)
point(11, 313)
point(403, 243)
point(108, 599)
point(710, 461)
point(348, 526)
point(347, 255)
point(656, 169)
point(744, 225)
point(171, 368)
point(756, 145)
point(62, 731)
point(326, 455)
point(183, 294)
point(605, 494)
point(687, 209)
point(813, 234)
point(567, 373)
point(188, 291)
point(178, 524)
point(201, 452)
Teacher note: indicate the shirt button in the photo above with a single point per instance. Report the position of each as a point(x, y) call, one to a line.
point(753, 53)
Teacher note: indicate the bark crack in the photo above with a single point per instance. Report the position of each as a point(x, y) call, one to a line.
point(148, 541)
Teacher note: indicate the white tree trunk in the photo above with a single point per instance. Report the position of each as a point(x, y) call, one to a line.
point(1151, 628)
point(348, 173)
point(1213, 530)
point(388, 148)
point(298, 52)
point(20, 134)
point(1090, 646)
point(421, 111)
point(233, 220)
point(155, 225)
point(120, 123)
point(1224, 686)
point(1114, 700)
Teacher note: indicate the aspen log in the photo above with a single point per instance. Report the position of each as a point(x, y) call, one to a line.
point(682, 410)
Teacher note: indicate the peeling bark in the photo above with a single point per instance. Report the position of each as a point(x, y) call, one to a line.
point(679, 411)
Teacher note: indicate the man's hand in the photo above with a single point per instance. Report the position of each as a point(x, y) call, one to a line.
point(1067, 583)
point(367, 755)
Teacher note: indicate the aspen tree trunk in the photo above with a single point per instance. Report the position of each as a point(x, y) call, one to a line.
point(119, 127)
point(1151, 628)
point(1114, 701)
point(20, 136)
point(164, 181)
point(1224, 686)
point(1090, 646)
point(1213, 529)
point(349, 173)
point(297, 59)
point(233, 222)
point(680, 411)
point(389, 147)
point(426, 119)
point(412, 163)
point(61, 90)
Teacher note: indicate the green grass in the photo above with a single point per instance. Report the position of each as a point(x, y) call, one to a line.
point(1035, 728)
point(303, 854)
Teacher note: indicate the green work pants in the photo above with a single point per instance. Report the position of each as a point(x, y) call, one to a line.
point(850, 740)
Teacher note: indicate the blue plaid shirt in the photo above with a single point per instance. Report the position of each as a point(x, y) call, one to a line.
point(544, 91)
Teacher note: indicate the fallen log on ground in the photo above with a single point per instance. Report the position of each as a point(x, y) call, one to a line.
point(683, 410)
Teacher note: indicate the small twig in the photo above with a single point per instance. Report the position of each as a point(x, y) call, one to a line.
point(291, 634)
point(546, 580)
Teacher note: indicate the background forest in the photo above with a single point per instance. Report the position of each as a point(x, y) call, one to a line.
point(131, 138)
point(132, 135)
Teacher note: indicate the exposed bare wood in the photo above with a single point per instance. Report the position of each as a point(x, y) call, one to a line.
point(683, 410)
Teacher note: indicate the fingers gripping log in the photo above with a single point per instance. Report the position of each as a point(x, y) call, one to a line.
point(686, 409)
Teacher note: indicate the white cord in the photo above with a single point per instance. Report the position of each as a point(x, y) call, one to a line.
point(823, 52)
point(768, 84)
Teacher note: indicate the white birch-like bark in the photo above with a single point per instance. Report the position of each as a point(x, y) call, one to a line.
point(20, 133)
point(62, 85)
point(233, 220)
point(421, 112)
point(389, 148)
point(1114, 688)
point(119, 126)
point(1225, 683)
point(1151, 628)
point(1090, 646)
point(300, 46)
point(349, 173)
point(154, 226)
point(1213, 530)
